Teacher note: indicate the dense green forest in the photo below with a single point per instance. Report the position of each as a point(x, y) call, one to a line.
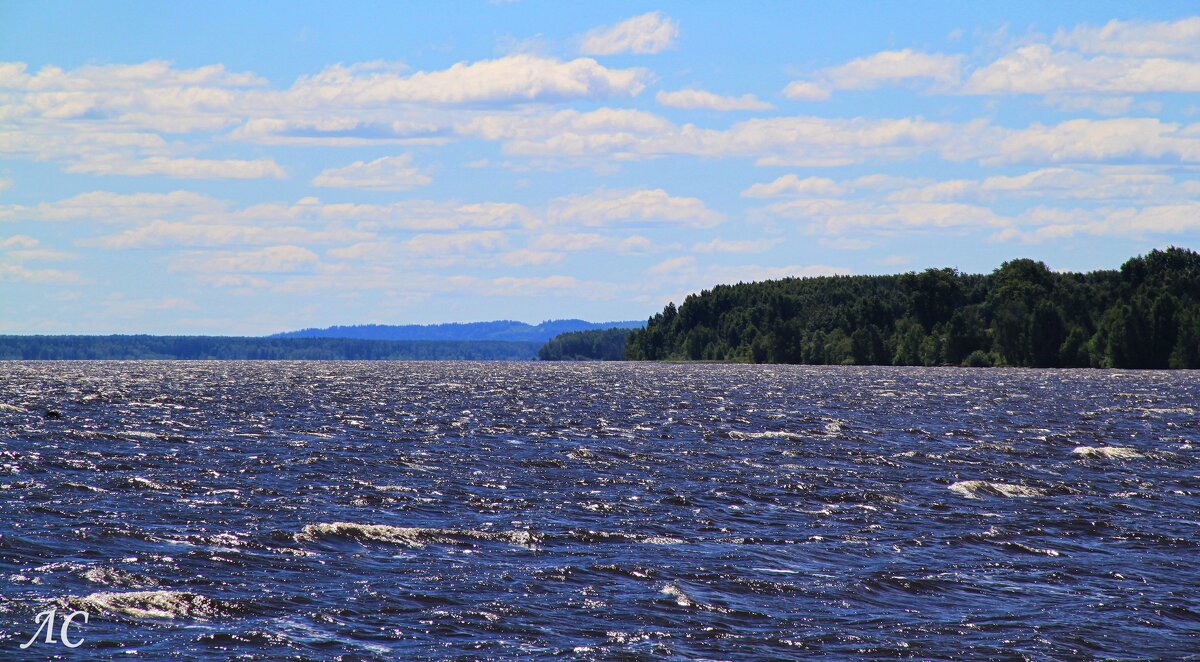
point(220, 347)
point(598, 345)
point(1144, 315)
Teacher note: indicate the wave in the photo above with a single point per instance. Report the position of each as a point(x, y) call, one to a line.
point(412, 536)
point(154, 604)
point(975, 489)
point(145, 483)
point(1113, 452)
point(682, 599)
point(615, 536)
point(117, 577)
point(770, 434)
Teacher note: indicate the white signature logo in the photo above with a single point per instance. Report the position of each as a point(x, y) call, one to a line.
point(45, 621)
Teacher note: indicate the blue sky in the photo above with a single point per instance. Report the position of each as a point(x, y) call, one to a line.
point(245, 168)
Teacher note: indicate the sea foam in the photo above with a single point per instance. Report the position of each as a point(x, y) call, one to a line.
point(153, 604)
point(770, 434)
point(975, 489)
point(1114, 452)
point(413, 536)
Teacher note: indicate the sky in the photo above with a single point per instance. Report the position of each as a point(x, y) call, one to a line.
point(246, 168)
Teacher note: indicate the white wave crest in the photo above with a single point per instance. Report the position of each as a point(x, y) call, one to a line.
point(152, 604)
point(1114, 452)
point(770, 434)
point(146, 484)
point(413, 536)
point(975, 489)
point(117, 577)
point(681, 598)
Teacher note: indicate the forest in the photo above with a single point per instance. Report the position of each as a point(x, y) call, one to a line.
point(234, 348)
point(1144, 315)
point(595, 345)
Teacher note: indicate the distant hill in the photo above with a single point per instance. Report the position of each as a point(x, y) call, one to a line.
point(501, 330)
point(67, 348)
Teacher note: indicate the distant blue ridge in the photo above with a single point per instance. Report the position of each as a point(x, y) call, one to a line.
point(506, 330)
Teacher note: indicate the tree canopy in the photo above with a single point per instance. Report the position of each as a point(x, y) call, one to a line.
point(1144, 315)
point(598, 345)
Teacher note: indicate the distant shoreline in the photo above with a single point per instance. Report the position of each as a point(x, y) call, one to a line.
point(241, 348)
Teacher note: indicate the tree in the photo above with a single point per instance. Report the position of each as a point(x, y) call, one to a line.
point(1046, 334)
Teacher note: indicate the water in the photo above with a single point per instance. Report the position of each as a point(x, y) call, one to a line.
point(495, 511)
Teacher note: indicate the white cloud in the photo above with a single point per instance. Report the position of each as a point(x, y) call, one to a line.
point(639, 207)
point(519, 78)
point(806, 91)
point(23, 248)
point(748, 273)
point(545, 286)
point(953, 189)
point(635, 245)
point(791, 185)
point(1053, 223)
point(744, 246)
point(845, 243)
point(109, 120)
point(1039, 69)
point(186, 168)
point(571, 241)
point(526, 257)
point(646, 34)
point(437, 245)
point(835, 217)
point(1136, 38)
point(19, 242)
point(940, 72)
point(19, 273)
point(796, 140)
point(1096, 141)
point(896, 260)
point(1101, 105)
point(1142, 183)
point(270, 260)
point(428, 249)
point(674, 265)
point(691, 98)
point(348, 127)
point(569, 132)
point(15, 75)
point(163, 234)
point(1119, 58)
point(885, 67)
point(389, 173)
point(418, 215)
point(116, 207)
point(40, 254)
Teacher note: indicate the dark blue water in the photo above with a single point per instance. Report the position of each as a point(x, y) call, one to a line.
point(498, 511)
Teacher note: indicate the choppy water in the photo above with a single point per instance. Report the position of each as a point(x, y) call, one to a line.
point(492, 511)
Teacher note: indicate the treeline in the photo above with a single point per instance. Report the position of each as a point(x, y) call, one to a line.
point(1145, 315)
point(599, 345)
point(238, 348)
point(506, 330)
